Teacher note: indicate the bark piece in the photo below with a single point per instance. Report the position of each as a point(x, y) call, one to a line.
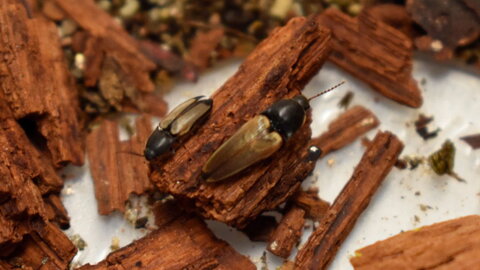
point(202, 46)
point(374, 166)
point(394, 15)
point(375, 53)
point(26, 176)
point(116, 170)
point(422, 129)
point(288, 232)
point(45, 98)
point(261, 228)
point(278, 68)
point(451, 22)
point(181, 242)
point(46, 248)
point(472, 140)
point(112, 39)
point(345, 129)
point(315, 207)
point(452, 244)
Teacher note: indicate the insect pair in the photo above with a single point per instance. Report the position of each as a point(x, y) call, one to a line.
point(256, 140)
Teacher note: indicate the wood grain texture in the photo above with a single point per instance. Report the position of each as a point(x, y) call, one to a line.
point(374, 166)
point(452, 244)
point(117, 172)
point(375, 53)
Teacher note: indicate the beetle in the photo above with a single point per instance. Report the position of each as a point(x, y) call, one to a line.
point(181, 120)
point(258, 138)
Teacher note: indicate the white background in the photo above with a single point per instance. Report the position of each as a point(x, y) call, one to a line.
point(451, 94)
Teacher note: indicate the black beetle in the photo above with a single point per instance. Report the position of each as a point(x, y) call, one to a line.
point(178, 122)
point(258, 138)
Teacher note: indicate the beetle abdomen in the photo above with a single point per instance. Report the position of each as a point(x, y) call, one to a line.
point(253, 142)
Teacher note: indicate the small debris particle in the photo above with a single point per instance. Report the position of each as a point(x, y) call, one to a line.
point(472, 140)
point(411, 162)
point(424, 207)
point(417, 193)
point(346, 100)
point(44, 260)
point(416, 218)
point(443, 160)
point(436, 45)
point(331, 162)
point(263, 259)
point(115, 244)
point(141, 222)
point(421, 127)
point(273, 245)
point(78, 241)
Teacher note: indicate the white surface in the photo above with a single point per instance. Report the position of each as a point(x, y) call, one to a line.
point(451, 96)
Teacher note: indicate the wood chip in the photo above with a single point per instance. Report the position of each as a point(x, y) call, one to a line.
point(452, 244)
point(375, 53)
point(278, 68)
point(112, 40)
point(315, 207)
point(472, 140)
point(116, 171)
point(288, 232)
point(44, 97)
point(325, 241)
point(180, 242)
point(345, 129)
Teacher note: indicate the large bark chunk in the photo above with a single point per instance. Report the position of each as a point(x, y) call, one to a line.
point(44, 96)
point(278, 68)
point(180, 242)
point(117, 171)
point(376, 163)
point(375, 53)
point(453, 244)
point(25, 175)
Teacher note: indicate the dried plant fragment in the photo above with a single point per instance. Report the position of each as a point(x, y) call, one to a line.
point(376, 163)
point(443, 160)
point(452, 244)
point(315, 207)
point(421, 127)
point(117, 169)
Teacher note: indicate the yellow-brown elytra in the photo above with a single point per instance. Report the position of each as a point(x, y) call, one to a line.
point(258, 138)
point(177, 123)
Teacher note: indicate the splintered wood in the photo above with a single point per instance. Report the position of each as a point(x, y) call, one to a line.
point(375, 53)
point(345, 129)
point(44, 98)
point(453, 244)
point(117, 169)
point(278, 68)
point(288, 232)
point(314, 206)
point(180, 242)
point(46, 248)
point(339, 220)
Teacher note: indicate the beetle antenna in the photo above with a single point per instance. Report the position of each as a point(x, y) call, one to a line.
point(130, 152)
point(326, 91)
